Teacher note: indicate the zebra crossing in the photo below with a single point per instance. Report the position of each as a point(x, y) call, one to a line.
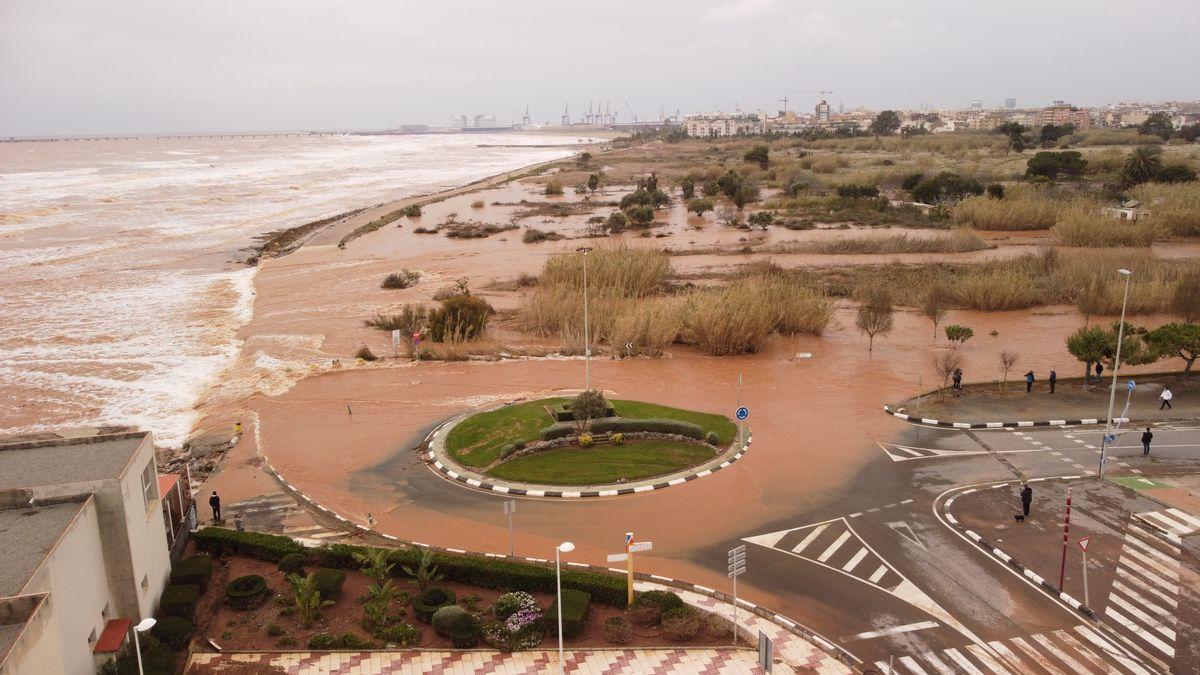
point(1081, 649)
point(1174, 523)
point(835, 545)
point(1143, 602)
point(276, 513)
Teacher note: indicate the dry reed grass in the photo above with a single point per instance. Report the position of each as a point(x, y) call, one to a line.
point(958, 241)
point(1021, 209)
point(1091, 229)
point(619, 270)
point(1175, 206)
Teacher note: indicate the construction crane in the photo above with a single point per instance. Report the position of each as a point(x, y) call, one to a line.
point(566, 118)
point(525, 121)
point(822, 92)
point(631, 113)
point(784, 101)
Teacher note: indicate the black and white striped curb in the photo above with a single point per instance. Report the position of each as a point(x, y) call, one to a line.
point(793, 627)
point(1005, 558)
point(995, 425)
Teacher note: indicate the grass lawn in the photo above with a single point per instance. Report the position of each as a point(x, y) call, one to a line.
point(603, 464)
point(725, 428)
point(477, 440)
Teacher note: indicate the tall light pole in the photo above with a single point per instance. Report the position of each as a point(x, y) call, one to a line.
point(587, 342)
point(145, 625)
point(565, 547)
point(1112, 391)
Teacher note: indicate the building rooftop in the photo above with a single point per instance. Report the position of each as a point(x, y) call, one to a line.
point(68, 460)
point(29, 534)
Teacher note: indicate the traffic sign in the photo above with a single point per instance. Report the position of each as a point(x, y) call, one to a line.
point(640, 546)
point(396, 337)
point(737, 550)
point(743, 412)
point(628, 538)
point(733, 559)
point(766, 651)
point(1130, 385)
point(1083, 543)
point(618, 557)
point(1109, 438)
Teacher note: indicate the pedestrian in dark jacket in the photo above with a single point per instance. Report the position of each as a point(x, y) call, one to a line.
point(215, 502)
point(958, 379)
point(1099, 369)
point(1146, 438)
point(1053, 379)
point(1029, 382)
point(1026, 498)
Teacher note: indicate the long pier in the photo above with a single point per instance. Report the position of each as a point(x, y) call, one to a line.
point(63, 139)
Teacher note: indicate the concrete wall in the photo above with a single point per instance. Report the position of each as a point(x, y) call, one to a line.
point(36, 651)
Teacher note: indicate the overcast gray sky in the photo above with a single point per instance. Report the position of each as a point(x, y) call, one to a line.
point(107, 66)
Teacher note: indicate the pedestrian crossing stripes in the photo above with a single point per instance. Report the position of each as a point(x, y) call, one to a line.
point(1172, 521)
point(1081, 649)
point(835, 545)
point(270, 513)
point(1142, 602)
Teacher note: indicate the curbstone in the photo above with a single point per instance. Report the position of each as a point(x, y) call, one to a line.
point(929, 422)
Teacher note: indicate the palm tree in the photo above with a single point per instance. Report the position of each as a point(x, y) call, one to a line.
point(1142, 164)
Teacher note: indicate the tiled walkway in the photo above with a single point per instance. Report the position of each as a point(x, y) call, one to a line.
point(597, 662)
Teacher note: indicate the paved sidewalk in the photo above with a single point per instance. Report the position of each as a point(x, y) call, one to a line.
point(593, 662)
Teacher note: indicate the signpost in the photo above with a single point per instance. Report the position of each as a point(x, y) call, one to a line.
point(737, 567)
point(741, 414)
point(396, 343)
point(766, 652)
point(740, 408)
point(1083, 544)
point(510, 507)
point(631, 547)
point(1062, 570)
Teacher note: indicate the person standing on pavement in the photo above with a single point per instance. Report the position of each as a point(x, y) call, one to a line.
point(1166, 397)
point(1099, 369)
point(215, 502)
point(958, 379)
point(1053, 379)
point(1029, 382)
point(1146, 438)
point(1026, 498)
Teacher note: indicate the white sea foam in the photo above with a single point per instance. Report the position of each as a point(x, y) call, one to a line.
point(109, 318)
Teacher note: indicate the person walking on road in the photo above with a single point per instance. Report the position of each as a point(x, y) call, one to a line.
point(1053, 379)
point(1146, 438)
point(215, 502)
point(1029, 382)
point(1166, 397)
point(1026, 498)
point(1099, 369)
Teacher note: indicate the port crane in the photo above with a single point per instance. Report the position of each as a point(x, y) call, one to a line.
point(785, 99)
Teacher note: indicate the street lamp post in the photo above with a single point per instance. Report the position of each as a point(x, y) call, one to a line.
point(565, 547)
point(145, 625)
point(1112, 391)
point(587, 342)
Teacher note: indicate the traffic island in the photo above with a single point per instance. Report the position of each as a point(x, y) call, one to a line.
point(538, 448)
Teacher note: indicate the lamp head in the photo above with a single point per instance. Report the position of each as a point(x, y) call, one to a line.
point(145, 625)
point(1124, 271)
point(566, 547)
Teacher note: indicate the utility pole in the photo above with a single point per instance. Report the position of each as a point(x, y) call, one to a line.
point(737, 567)
point(784, 100)
point(1112, 392)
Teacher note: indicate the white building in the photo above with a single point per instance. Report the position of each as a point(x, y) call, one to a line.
point(721, 124)
point(485, 121)
point(83, 550)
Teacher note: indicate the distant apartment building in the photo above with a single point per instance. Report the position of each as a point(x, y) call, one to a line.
point(1061, 113)
point(1010, 103)
point(823, 112)
point(83, 549)
point(720, 124)
point(458, 121)
point(485, 121)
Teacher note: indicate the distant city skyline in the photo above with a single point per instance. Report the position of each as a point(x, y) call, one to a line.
point(78, 67)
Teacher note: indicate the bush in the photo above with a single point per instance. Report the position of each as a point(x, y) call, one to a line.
point(156, 660)
point(575, 605)
point(293, 563)
point(1175, 173)
point(402, 279)
point(618, 630)
point(269, 547)
point(173, 631)
point(912, 180)
point(946, 186)
point(429, 602)
point(553, 189)
point(195, 570)
point(400, 634)
point(179, 600)
point(507, 451)
point(617, 222)
point(1053, 165)
point(626, 425)
point(412, 211)
point(681, 623)
point(645, 615)
point(460, 318)
point(663, 600)
point(533, 236)
point(329, 582)
point(711, 438)
point(364, 352)
point(325, 641)
point(995, 191)
point(246, 592)
point(640, 216)
point(275, 630)
point(506, 605)
point(519, 444)
point(852, 191)
point(458, 625)
point(584, 440)
point(618, 438)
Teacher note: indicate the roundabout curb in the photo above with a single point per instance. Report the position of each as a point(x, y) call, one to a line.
point(929, 422)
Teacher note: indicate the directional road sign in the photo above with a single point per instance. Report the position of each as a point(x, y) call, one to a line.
point(618, 557)
point(638, 547)
point(743, 412)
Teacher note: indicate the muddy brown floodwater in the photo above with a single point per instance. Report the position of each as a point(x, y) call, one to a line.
point(815, 421)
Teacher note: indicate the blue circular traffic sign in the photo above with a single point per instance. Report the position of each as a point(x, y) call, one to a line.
point(743, 412)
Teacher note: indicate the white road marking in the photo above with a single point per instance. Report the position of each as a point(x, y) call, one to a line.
point(1049, 646)
point(937, 663)
point(1145, 618)
point(1143, 600)
point(1149, 637)
point(958, 658)
point(1011, 660)
point(878, 574)
point(1035, 655)
point(849, 566)
point(1083, 651)
point(1122, 572)
point(912, 665)
point(1110, 649)
point(816, 532)
point(986, 659)
point(834, 547)
point(907, 628)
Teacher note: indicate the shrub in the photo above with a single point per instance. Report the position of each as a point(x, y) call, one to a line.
point(364, 352)
point(507, 451)
point(179, 600)
point(267, 547)
point(640, 216)
point(553, 189)
point(1175, 173)
point(618, 438)
point(663, 600)
point(575, 605)
point(411, 319)
point(430, 601)
point(519, 444)
point(711, 438)
point(912, 180)
point(946, 186)
point(506, 605)
point(852, 191)
point(325, 641)
point(329, 582)
point(1084, 229)
point(402, 279)
point(156, 660)
point(460, 318)
point(584, 440)
point(618, 630)
point(700, 205)
point(533, 236)
point(400, 634)
point(173, 631)
point(293, 563)
point(246, 592)
point(681, 623)
point(458, 625)
point(412, 211)
point(617, 222)
point(195, 570)
point(995, 191)
point(1053, 165)
point(645, 615)
point(626, 425)
point(275, 630)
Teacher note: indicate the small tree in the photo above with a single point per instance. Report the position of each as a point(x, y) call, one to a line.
point(875, 316)
point(958, 335)
point(1181, 340)
point(885, 123)
point(1090, 344)
point(933, 306)
point(759, 154)
point(1142, 165)
point(640, 216)
point(617, 222)
point(1008, 359)
point(425, 573)
point(688, 187)
point(1158, 124)
point(307, 597)
point(588, 405)
point(1185, 303)
point(593, 182)
point(728, 217)
point(760, 219)
point(699, 206)
point(945, 364)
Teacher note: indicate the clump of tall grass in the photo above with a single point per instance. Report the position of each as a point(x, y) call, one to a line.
point(1117, 137)
point(958, 241)
point(1090, 229)
point(1175, 206)
point(620, 269)
point(738, 318)
point(992, 289)
point(1019, 210)
point(647, 327)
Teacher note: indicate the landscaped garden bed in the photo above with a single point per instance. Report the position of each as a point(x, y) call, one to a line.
point(586, 440)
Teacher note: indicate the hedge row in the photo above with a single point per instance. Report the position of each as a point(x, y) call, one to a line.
point(626, 425)
point(472, 570)
point(562, 412)
point(575, 606)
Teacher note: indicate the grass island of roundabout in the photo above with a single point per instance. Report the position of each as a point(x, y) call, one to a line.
point(586, 440)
